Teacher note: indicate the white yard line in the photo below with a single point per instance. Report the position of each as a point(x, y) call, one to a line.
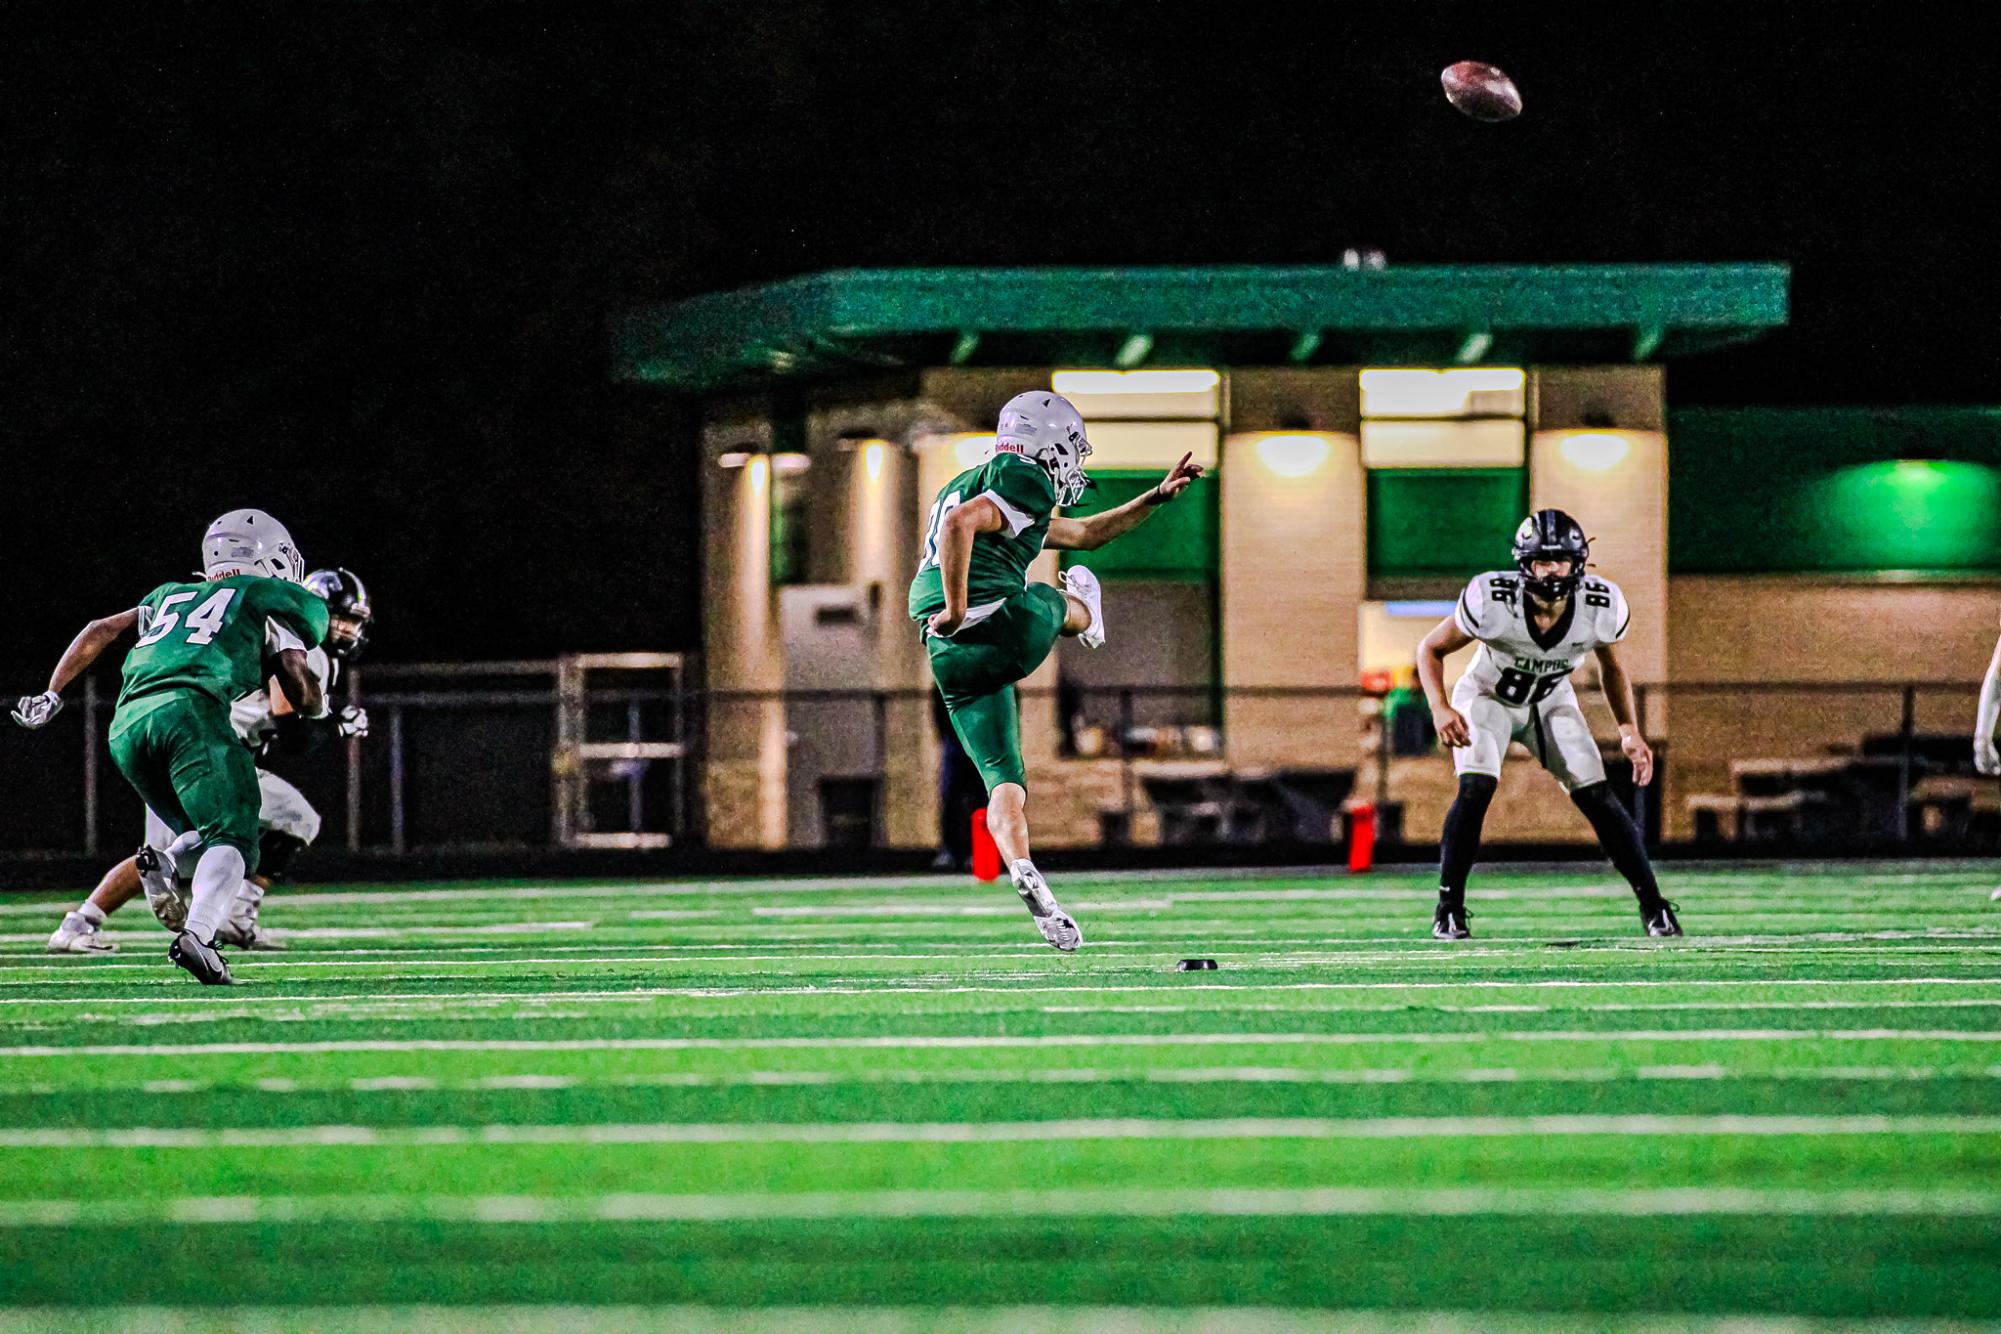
point(989, 1132)
point(1068, 1203)
point(1249, 1074)
point(535, 1009)
point(901, 986)
point(977, 1041)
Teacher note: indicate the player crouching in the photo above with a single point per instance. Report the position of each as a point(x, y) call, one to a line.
point(1534, 625)
point(268, 726)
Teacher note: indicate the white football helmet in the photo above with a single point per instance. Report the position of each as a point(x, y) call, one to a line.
point(250, 542)
point(1043, 427)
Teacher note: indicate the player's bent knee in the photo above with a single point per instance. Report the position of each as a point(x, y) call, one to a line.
point(1596, 795)
point(1478, 788)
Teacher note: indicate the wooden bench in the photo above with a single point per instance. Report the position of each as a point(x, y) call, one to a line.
point(1754, 818)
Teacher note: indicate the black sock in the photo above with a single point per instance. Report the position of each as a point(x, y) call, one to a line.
point(1620, 838)
point(1460, 843)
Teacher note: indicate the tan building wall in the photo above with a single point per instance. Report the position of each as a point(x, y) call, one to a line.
point(744, 777)
point(1762, 631)
point(1293, 554)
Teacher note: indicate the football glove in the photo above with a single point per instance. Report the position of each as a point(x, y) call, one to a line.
point(35, 710)
point(352, 722)
point(1985, 760)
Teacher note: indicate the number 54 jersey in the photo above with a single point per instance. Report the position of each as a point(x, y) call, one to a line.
point(1518, 686)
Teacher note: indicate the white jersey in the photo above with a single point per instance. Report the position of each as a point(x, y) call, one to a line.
point(251, 716)
point(1513, 663)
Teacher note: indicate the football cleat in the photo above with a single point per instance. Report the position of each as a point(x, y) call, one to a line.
point(1083, 585)
point(1448, 922)
point(204, 961)
point(164, 894)
point(1058, 927)
point(1659, 919)
point(242, 931)
point(79, 935)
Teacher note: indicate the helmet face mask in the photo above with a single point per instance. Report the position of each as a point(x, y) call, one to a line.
point(1551, 535)
point(350, 612)
point(1044, 428)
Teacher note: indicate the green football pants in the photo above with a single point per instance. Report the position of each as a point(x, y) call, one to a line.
point(976, 671)
point(180, 754)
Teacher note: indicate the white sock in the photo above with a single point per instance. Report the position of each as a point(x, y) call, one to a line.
point(218, 877)
point(176, 851)
point(91, 913)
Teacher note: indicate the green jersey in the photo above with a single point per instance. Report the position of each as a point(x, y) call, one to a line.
point(999, 568)
point(213, 636)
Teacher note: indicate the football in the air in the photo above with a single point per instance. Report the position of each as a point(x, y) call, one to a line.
point(1481, 91)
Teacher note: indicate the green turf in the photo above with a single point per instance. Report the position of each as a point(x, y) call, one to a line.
point(738, 1105)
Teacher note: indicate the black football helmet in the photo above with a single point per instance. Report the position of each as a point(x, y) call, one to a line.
point(1551, 535)
point(352, 611)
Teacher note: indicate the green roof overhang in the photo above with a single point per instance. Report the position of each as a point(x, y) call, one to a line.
point(855, 321)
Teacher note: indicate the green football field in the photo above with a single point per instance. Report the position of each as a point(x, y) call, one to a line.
point(744, 1105)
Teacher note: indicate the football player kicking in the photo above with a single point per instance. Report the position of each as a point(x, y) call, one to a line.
point(203, 646)
point(1534, 625)
point(286, 821)
point(986, 627)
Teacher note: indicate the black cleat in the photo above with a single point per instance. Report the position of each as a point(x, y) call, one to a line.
point(204, 961)
point(1658, 918)
point(1449, 922)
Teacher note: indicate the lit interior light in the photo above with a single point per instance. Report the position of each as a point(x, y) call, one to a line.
point(1134, 382)
point(1293, 455)
point(736, 458)
point(755, 471)
point(791, 463)
point(972, 450)
point(1408, 392)
point(1595, 451)
point(872, 455)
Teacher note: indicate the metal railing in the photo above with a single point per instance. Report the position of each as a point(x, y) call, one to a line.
point(460, 755)
point(618, 751)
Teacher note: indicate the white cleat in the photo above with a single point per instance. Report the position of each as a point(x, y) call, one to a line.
point(77, 935)
point(163, 892)
point(1995, 897)
point(1058, 927)
point(241, 930)
point(243, 933)
point(1083, 585)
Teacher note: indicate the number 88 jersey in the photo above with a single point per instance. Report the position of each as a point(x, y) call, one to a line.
point(1514, 663)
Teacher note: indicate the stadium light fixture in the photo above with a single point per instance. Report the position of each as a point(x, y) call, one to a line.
point(735, 458)
point(1407, 392)
point(1089, 383)
point(1594, 451)
point(789, 464)
point(1293, 455)
point(872, 456)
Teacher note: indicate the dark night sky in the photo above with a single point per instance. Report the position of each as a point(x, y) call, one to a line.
point(351, 262)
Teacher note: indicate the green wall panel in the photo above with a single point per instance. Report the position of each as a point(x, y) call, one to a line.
point(1437, 522)
point(1834, 490)
point(1178, 542)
